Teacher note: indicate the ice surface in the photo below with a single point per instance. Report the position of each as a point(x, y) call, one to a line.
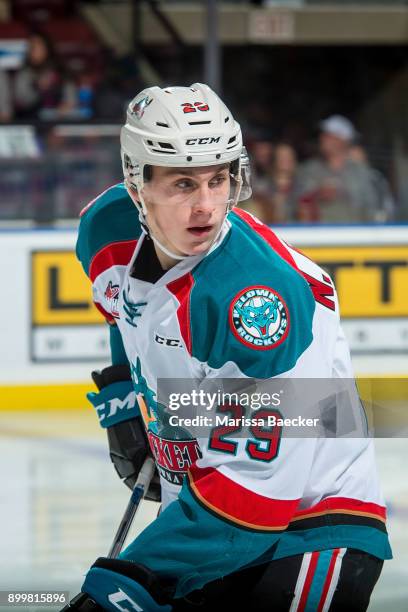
point(61, 502)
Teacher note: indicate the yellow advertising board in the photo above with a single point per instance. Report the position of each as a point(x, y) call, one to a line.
point(66, 328)
point(371, 281)
point(61, 292)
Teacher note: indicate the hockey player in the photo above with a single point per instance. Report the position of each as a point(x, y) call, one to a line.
point(196, 289)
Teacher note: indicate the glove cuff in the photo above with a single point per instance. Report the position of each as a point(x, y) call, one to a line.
point(111, 374)
point(115, 403)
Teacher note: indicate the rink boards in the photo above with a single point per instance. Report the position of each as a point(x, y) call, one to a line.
point(53, 336)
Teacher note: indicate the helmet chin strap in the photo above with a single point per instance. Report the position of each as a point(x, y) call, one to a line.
point(166, 251)
point(142, 209)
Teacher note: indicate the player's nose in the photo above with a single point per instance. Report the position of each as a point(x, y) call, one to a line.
point(205, 200)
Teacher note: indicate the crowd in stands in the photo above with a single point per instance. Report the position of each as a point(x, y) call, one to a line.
point(44, 88)
point(338, 185)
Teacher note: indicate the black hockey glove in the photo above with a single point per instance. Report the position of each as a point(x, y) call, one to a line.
point(128, 448)
point(128, 444)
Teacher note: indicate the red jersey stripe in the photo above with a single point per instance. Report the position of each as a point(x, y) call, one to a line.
point(322, 291)
point(342, 505)
point(107, 315)
point(114, 254)
point(308, 581)
point(238, 504)
point(181, 289)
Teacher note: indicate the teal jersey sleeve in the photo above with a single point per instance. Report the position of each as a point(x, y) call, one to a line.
point(110, 218)
point(107, 222)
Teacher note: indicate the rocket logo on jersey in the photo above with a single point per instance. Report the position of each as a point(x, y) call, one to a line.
point(112, 295)
point(259, 317)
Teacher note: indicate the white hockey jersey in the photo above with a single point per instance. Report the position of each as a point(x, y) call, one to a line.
point(253, 308)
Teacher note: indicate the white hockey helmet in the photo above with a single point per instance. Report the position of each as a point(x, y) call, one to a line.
point(182, 127)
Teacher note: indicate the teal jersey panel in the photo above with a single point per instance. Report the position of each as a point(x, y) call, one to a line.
point(368, 539)
point(190, 546)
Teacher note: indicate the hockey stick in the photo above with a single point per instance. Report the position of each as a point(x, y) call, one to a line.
point(139, 491)
point(82, 601)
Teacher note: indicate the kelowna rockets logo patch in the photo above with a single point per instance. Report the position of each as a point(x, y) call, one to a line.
point(259, 317)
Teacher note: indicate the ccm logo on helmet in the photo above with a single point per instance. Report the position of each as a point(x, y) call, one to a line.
point(200, 141)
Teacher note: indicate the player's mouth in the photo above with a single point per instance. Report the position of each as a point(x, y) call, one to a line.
point(200, 230)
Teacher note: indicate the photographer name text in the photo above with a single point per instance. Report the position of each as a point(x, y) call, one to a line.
point(217, 420)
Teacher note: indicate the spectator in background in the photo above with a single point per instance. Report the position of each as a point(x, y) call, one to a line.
point(385, 209)
point(41, 88)
point(115, 90)
point(262, 157)
point(6, 107)
point(283, 173)
point(334, 188)
point(272, 182)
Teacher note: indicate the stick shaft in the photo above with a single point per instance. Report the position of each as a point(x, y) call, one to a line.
point(139, 491)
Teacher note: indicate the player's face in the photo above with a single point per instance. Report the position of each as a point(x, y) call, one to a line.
point(186, 206)
point(331, 144)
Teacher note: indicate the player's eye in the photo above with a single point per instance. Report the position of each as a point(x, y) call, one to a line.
point(218, 180)
point(184, 184)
